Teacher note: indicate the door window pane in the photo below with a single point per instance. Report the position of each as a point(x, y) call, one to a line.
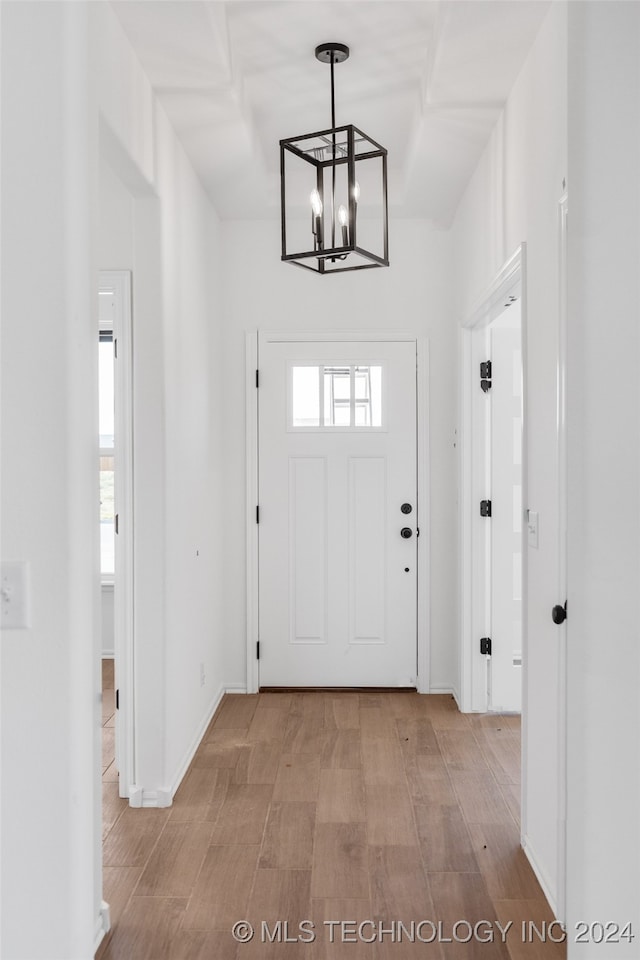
point(336, 395)
point(306, 396)
point(107, 532)
point(106, 394)
point(106, 427)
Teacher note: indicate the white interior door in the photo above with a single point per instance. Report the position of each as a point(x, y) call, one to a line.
point(338, 514)
point(505, 672)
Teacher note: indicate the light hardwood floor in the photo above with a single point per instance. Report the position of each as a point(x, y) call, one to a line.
point(365, 807)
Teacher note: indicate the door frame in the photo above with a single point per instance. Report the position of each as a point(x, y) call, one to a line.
point(120, 283)
point(499, 552)
point(253, 341)
point(563, 508)
point(510, 280)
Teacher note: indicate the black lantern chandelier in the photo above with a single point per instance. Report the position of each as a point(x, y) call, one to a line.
point(333, 193)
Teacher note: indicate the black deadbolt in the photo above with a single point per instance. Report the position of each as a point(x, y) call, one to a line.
point(406, 508)
point(406, 532)
point(559, 614)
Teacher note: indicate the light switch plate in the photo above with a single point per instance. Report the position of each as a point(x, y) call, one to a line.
point(532, 528)
point(15, 599)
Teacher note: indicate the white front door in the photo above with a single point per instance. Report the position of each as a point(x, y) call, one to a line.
point(338, 514)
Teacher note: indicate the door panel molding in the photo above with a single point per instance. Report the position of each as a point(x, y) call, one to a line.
point(308, 536)
point(367, 602)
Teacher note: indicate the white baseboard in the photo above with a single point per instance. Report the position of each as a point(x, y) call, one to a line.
point(448, 690)
point(163, 797)
point(443, 688)
point(195, 743)
point(135, 796)
point(103, 925)
point(139, 797)
point(543, 879)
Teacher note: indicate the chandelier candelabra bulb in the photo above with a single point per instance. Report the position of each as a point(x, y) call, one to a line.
point(316, 203)
point(343, 220)
point(316, 217)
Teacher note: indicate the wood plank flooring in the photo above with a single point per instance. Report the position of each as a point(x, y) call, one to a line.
point(377, 809)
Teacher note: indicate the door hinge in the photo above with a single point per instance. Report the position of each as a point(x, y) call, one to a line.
point(257, 378)
point(485, 508)
point(117, 699)
point(115, 349)
point(485, 645)
point(485, 376)
point(258, 514)
point(258, 650)
point(117, 522)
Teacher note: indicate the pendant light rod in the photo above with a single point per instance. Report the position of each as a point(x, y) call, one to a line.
point(333, 53)
point(333, 155)
point(333, 96)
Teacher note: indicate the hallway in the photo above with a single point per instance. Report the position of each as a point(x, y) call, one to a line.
point(386, 807)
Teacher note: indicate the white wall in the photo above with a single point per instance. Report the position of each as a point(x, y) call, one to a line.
point(81, 95)
point(116, 221)
point(513, 197)
point(50, 672)
point(156, 220)
point(193, 469)
point(415, 294)
point(603, 713)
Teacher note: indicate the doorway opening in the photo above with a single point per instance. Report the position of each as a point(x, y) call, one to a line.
point(503, 444)
point(493, 479)
point(116, 525)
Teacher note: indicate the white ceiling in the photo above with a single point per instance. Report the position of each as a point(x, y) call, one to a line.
point(426, 78)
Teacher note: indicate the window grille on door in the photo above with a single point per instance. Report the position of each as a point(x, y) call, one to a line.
point(341, 396)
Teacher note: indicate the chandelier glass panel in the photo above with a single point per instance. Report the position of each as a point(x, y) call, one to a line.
point(333, 193)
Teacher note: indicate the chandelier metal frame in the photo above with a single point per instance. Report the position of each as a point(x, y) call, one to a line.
point(333, 241)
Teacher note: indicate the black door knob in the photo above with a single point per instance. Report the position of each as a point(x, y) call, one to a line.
point(559, 614)
point(406, 532)
point(406, 508)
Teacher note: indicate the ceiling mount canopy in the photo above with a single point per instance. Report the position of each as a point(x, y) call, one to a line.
point(333, 193)
point(339, 52)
